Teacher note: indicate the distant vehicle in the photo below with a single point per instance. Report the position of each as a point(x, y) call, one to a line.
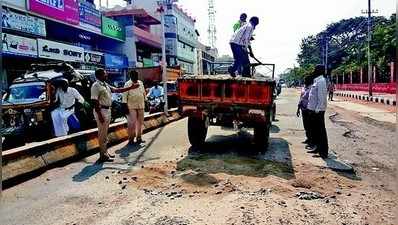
point(223, 69)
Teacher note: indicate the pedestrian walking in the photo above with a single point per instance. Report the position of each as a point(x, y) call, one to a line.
point(240, 46)
point(331, 89)
point(241, 22)
point(66, 97)
point(135, 100)
point(317, 103)
point(302, 109)
point(101, 95)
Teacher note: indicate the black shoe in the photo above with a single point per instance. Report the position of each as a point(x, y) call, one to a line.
point(232, 73)
point(315, 151)
point(310, 147)
point(105, 159)
point(139, 141)
point(111, 156)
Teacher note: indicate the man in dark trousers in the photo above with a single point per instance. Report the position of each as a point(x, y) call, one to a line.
point(241, 49)
point(302, 109)
point(317, 103)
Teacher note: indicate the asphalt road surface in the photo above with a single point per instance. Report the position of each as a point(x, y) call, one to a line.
point(166, 182)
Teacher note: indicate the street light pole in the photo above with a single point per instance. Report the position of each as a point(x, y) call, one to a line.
point(164, 66)
point(164, 5)
point(370, 75)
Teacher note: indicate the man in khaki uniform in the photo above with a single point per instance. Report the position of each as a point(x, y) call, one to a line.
point(135, 100)
point(101, 95)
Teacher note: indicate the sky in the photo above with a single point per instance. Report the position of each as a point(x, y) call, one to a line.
point(283, 23)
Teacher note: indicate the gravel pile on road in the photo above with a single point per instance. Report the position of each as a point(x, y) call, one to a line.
point(304, 195)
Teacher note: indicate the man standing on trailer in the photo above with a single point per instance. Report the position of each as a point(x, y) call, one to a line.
point(240, 46)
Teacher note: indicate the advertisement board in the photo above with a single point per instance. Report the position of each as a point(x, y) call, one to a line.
point(62, 10)
point(89, 16)
point(18, 3)
point(112, 28)
point(54, 50)
point(25, 23)
point(94, 57)
point(115, 61)
point(170, 24)
point(17, 45)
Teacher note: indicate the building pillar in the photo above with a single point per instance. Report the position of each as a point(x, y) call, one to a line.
point(350, 77)
point(392, 72)
point(361, 75)
point(129, 47)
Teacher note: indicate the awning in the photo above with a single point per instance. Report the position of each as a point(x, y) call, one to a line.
point(147, 37)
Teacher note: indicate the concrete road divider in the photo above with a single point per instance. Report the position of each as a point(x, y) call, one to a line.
point(39, 156)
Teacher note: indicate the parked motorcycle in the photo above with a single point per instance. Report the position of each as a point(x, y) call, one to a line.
point(156, 104)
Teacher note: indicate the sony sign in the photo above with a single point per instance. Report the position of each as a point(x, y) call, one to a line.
point(54, 50)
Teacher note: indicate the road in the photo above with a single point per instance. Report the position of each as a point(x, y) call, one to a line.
point(165, 182)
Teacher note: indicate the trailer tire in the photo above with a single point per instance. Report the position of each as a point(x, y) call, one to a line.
point(261, 137)
point(197, 130)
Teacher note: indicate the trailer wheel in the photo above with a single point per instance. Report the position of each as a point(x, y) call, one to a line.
point(197, 130)
point(261, 137)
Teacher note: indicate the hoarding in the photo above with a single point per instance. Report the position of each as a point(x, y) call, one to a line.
point(54, 50)
point(17, 45)
point(18, 3)
point(25, 23)
point(112, 28)
point(94, 57)
point(62, 10)
point(115, 61)
point(89, 16)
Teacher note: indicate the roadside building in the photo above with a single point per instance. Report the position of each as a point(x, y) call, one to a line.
point(142, 47)
point(180, 35)
point(206, 57)
point(73, 32)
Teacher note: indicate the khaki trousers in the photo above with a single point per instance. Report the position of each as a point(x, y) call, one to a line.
point(135, 121)
point(103, 130)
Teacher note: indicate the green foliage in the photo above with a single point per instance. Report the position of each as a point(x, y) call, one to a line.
point(347, 47)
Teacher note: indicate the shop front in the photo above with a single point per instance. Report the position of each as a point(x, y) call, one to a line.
point(17, 54)
point(116, 66)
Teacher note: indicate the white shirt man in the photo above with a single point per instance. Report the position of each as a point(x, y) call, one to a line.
point(66, 108)
point(317, 100)
point(243, 35)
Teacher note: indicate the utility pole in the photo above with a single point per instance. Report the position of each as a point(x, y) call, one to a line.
point(163, 6)
point(370, 74)
point(326, 55)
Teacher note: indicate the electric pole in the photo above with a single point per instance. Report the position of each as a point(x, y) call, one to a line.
point(370, 70)
point(163, 6)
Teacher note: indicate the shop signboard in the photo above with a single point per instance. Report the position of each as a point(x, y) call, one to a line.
point(62, 10)
point(89, 16)
point(112, 28)
point(25, 23)
point(17, 45)
point(54, 50)
point(115, 61)
point(170, 22)
point(94, 57)
point(18, 3)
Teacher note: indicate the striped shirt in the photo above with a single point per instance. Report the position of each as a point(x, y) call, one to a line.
point(243, 35)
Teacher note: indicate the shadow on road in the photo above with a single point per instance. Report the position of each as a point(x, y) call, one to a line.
point(124, 153)
point(236, 155)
